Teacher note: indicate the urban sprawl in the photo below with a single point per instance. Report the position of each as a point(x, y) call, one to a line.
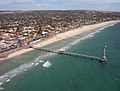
point(20, 28)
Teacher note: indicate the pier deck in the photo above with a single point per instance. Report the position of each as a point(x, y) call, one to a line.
point(72, 54)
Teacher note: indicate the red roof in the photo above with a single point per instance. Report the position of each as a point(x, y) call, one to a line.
point(1, 33)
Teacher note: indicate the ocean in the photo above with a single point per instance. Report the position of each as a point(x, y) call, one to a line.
point(42, 71)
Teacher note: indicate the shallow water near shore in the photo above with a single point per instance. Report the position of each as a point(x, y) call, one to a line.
point(26, 72)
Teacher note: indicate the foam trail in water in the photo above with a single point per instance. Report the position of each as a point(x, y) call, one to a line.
point(6, 77)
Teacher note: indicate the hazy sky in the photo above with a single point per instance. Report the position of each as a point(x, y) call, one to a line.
point(110, 5)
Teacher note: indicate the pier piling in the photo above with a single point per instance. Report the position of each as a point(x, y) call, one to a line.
point(103, 59)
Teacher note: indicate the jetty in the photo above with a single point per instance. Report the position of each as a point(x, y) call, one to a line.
point(99, 59)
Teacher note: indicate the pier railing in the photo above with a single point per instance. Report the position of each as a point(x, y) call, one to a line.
point(72, 54)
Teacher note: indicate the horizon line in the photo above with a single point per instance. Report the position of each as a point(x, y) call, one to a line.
point(58, 10)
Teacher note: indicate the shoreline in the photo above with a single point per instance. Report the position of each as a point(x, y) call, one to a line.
point(61, 36)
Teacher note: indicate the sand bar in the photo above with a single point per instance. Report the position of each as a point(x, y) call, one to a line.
point(61, 36)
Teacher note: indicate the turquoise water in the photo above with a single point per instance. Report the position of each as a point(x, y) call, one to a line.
point(26, 73)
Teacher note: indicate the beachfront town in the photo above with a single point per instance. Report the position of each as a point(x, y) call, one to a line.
point(20, 28)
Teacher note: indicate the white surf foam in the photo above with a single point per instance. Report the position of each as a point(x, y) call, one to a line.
point(41, 61)
point(90, 35)
point(113, 24)
point(36, 64)
point(108, 26)
point(13, 76)
point(6, 77)
point(8, 80)
point(78, 40)
point(25, 70)
point(1, 83)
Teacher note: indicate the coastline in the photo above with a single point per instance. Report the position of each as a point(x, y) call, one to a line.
point(61, 36)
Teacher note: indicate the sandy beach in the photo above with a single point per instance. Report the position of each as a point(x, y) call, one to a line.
point(61, 36)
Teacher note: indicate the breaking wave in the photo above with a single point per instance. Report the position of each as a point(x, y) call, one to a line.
point(90, 35)
point(6, 77)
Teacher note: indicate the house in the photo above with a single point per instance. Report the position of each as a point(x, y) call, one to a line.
point(44, 33)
